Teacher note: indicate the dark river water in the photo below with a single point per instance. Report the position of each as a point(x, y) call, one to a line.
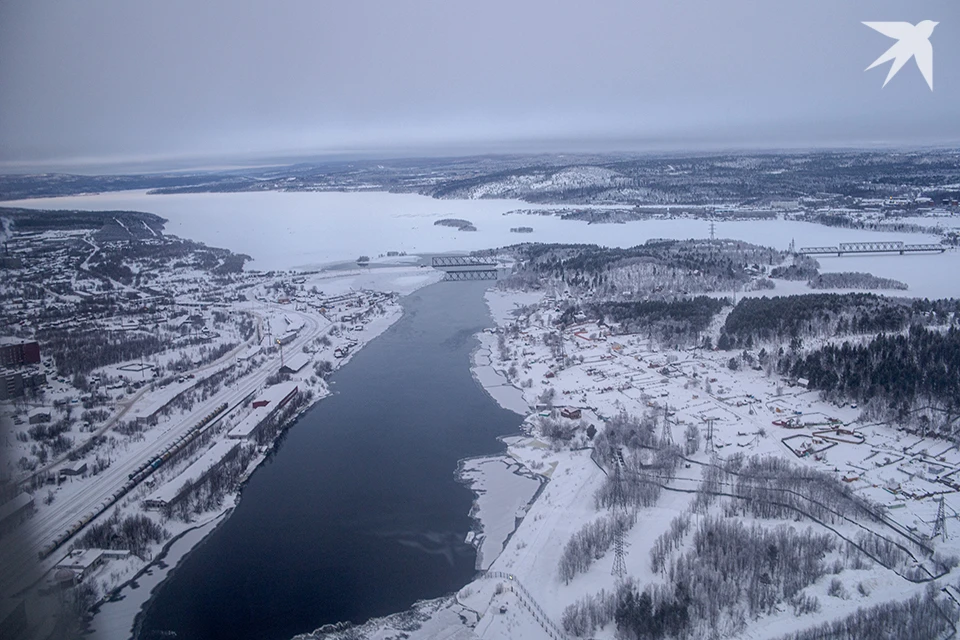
point(358, 513)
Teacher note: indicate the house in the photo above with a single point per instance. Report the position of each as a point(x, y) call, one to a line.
point(40, 415)
point(803, 382)
point(572, 413)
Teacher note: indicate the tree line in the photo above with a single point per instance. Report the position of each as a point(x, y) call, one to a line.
point(668, 322)
point(592, 541)
point(791, 318)
point(854, 280)
point(917, 618)
point(134, 533)
point(900, 373)
point(660, 269)
point(727, 574)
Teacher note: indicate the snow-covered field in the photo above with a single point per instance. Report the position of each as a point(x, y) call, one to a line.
point(283, 230)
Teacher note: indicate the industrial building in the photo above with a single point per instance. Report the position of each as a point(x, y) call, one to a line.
point(82, 562)
point(295, 363)
point(264, 407)
point(175, 489)
point(287, 338)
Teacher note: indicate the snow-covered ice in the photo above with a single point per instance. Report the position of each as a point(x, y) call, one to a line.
point(503, 489)
point(283, 230)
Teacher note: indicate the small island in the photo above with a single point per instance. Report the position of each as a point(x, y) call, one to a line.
point(462, 225)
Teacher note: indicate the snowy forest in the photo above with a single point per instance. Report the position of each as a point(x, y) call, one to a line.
point(658, 269)
point(678, 322)
point(916, 372)
point(784, 319)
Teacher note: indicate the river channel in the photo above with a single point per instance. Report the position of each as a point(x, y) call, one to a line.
point(357, 513)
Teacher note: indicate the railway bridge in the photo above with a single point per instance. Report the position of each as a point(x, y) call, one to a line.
point(459, 268)
point(873, 247)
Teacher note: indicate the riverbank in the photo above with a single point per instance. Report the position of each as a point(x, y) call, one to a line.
point(358, 513)
point(127, 590)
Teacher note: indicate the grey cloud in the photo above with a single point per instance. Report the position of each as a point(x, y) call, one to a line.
point(120, 79)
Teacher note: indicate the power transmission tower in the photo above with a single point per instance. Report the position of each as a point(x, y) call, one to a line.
point(940, 526)
point(666, 436)
point(710, 432)
point(619, 500)
point(713, 232)
point(619, 564)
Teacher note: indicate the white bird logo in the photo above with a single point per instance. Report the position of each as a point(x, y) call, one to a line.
point(912, 42)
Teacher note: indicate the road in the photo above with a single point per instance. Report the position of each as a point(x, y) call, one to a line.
point(128, 404)
point(19, 561)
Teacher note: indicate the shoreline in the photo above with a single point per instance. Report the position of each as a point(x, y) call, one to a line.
point(436, 614)
point(219, 516)
point(478, 533)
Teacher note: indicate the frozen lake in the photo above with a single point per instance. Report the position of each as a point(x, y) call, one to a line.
point(283, 230)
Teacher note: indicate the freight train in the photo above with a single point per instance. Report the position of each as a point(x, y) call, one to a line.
point(135, 478)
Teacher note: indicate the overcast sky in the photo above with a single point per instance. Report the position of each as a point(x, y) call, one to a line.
point(95, 82)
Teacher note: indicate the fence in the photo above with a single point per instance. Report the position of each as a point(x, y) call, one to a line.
point(528, 601)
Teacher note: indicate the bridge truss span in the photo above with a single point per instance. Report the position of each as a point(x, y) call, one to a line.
point(900, 248)
point(462, 261)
